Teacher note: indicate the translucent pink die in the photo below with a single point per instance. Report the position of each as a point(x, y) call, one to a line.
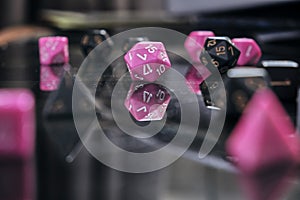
point(147, 102)
point(194, 43)
point(195, 76)
point(17, 123)
point(147, 61)
point(264, 147)
point(250, 51)
point(53, 50)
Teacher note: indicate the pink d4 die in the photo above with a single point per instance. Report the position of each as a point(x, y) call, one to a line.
point(195, 76)
point(53, 50)
point(195, 42)
point(250, 51)
point(264, 147)
point(147, 102)
point(17, 123)
point(147, 61)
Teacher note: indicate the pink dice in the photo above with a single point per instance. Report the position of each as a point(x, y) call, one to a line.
point(195, 76)
point(264, 147)
point(17, 123)
point(147, 61)
point(147, 102)
point(194, 43)
point(250, 51)
point(53, 50)
point(50, 77)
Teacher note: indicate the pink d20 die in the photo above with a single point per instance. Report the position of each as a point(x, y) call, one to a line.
point(264, 147)
point(147, 61)
point(250, 51)
point(195, 76)
point(53, 50)
point(194, 43)
point(17, 123)
point(147, 102)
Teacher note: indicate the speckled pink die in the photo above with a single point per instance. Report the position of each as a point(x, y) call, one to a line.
point(53, 50)
point(264, 147)
point(250, 51)
point(195, 76)
point(147, 102)
point(17, 123)
point(147, 61)
point(194, 43)
point(50, 76)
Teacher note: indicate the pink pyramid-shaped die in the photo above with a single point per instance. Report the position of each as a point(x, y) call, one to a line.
point(264, 147)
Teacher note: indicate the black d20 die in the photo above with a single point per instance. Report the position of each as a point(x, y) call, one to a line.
point(219, 52)
point(92, 38)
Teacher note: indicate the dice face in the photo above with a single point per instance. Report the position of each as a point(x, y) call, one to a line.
point(284, 77)
point(195, 42)
point(17, 123)
point(213, 94)
point(93, 38)
point(264, 146)
point(250, 51)
point(147, 61)
point(241, 84)
point(195, 76)
point(130, 42)
point(53, 50)
point(219, 52)
point(50, 77)
point(147, 102)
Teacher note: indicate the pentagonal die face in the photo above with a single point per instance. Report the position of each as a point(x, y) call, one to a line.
point(195, 42)
point(147, 102)
point(250, 51)
point(147, 61)
point(219, 52)
point(53, 50)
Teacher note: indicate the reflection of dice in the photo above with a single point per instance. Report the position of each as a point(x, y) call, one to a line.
point(250, 51)
point(213, 93)
point(130, 42)
point(194, 43)
point(147, 61)
point(219, 52)
point(17, 123)
point(53, 50)
point(93, 38)
point(50, 76)
point(195, 76)
point(147, 102)
point(264, 147)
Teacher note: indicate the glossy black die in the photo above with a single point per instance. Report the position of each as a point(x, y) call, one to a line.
point(92, 38)
point(219, 52)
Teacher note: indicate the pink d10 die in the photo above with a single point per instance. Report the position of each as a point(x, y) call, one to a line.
point(264, 147)
point(195, 76)
point(250, 51)
point(147, 61)
point(194, 43)
point(147, 102)
point(53, 50)
point(17, 123)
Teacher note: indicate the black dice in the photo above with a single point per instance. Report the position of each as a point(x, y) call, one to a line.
point(219, 52)
point(241, 83)
point(130, 42)
point(213, 93)
point(93, 38)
